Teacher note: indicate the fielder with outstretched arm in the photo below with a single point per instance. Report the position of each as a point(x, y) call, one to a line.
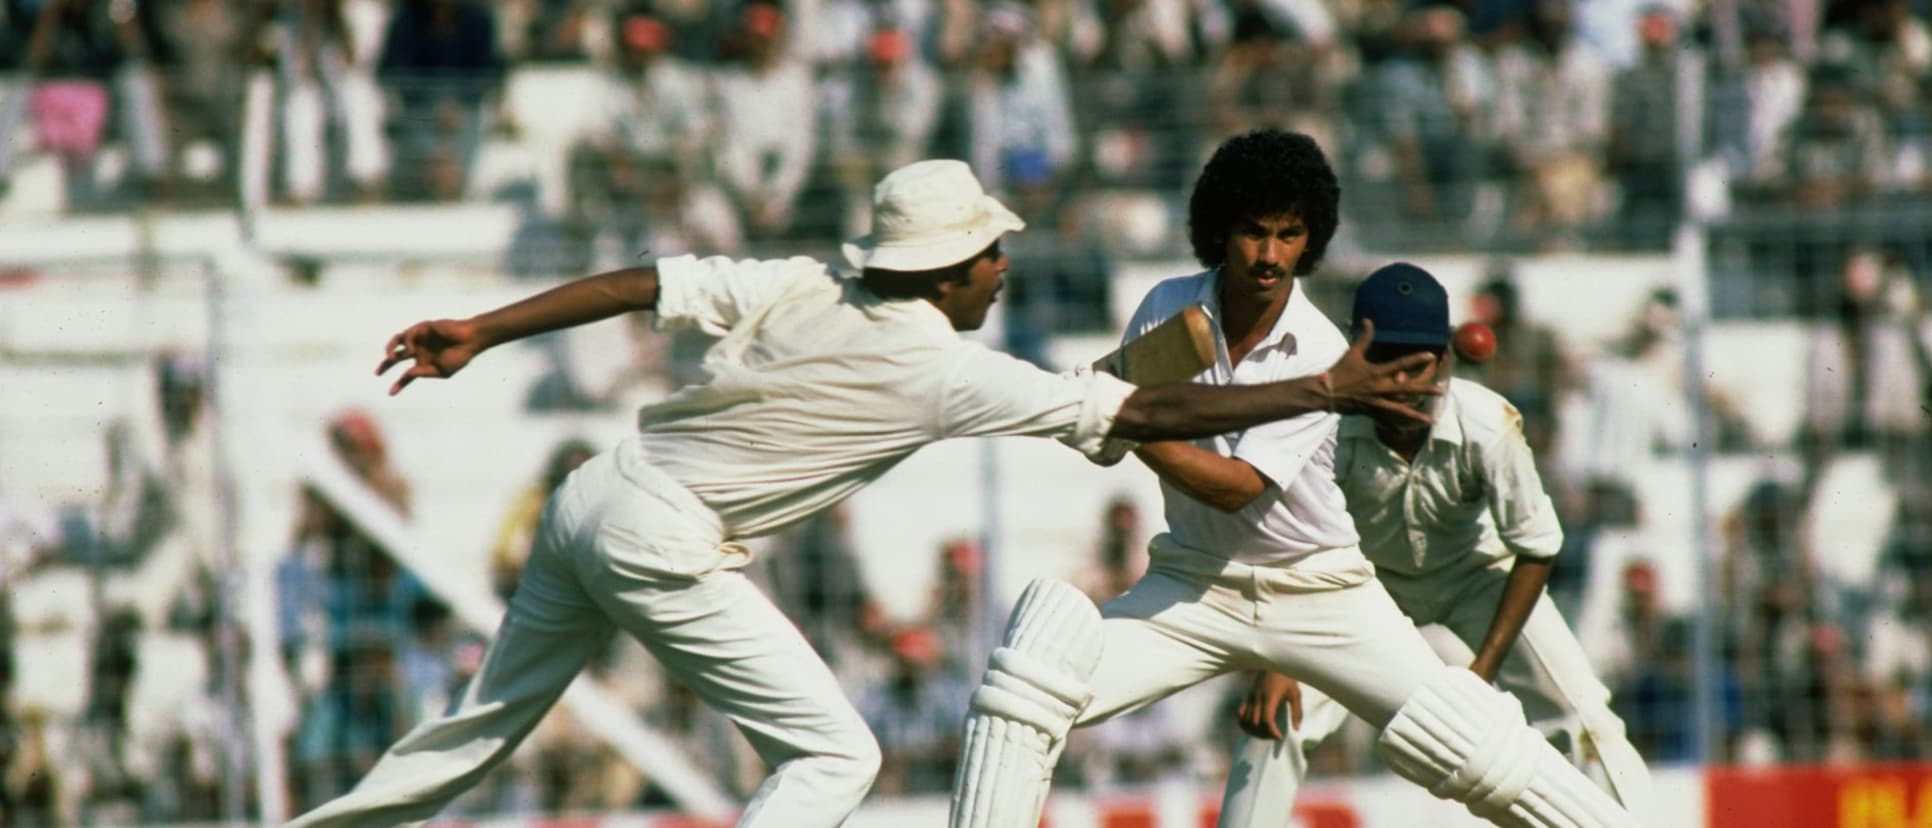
point(819, 385)
point(1261, 567)
point(1455, 519)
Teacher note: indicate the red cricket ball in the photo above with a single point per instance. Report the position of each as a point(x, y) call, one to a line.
point(1475, 342)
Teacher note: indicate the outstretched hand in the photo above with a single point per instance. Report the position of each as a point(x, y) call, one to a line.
point(439, 348)
point(1358, 386)
point(1259, 713)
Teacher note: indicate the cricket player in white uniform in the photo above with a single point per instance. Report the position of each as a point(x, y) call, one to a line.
point(1261, 567)
point(818, 386)
point(1454, 516)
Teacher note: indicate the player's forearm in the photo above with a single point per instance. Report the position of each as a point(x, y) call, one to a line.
point(1184, 411)
point(1224, 483)
point(575, 303)
point(1520, 594)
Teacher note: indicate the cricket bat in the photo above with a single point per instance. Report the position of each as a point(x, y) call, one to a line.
point(1174, 351)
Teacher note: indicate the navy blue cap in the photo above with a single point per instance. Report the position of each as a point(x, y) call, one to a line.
point(1407, 305)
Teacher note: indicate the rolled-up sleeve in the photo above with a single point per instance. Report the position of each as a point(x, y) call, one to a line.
point(713, 293)
point(1525, 516)
point(993, 394)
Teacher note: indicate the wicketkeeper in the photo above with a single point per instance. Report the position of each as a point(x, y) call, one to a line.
point(1454, 516)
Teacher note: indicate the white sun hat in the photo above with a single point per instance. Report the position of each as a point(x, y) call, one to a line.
point(927, 215)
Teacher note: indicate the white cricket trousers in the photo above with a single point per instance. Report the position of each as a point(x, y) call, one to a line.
point(622, 545)
point(1546, 670)
point(1325, 620)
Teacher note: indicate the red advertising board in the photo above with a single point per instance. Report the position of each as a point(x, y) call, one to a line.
point(1863, 796)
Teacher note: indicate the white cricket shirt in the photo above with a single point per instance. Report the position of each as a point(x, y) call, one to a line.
point(819, 387)
point(1302, 511)
point(1471, 497)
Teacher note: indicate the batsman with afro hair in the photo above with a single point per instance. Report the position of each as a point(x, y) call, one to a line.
point(1262, 173)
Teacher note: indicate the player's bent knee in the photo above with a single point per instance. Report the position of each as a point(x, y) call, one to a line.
point(1034, 688)
point(861, 757)
point(857, 767)
point(837, 776)
point(1038, 676)
point(1466, 741)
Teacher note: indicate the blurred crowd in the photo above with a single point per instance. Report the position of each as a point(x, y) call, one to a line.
point(736, 126)
point(712, 125)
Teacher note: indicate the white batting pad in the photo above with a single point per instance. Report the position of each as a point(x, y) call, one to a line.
point(1466, 741)
point(1034, 688)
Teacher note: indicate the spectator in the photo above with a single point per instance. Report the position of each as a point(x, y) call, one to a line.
point(1145, 37)
point(1253, 82)
point(1888, 46)
point(202, 81)
point(13, 747)
point(1868, 373)
point(1650, 137)
point(29, 533)
point(1647, 665)
point(442, 71)
point(641, 180)
point(112, 791)
point(1898, 639)
point(1599, 522)
point(953, 610)
point(1139, 97)
point(1023, 141)
point(1531, 366)
point(1122, 555)
point(1378, 31)
point(915, 713)
point(345, 608)
point(32, 789)
point(1495, 25)
point(76, 52)
point(1068, 286)
point(1147, 744)
point(707, 737)
point(514, 536)
point(160, 513)
point(1615, 29)
point(1436, 117)
point(767, 133)
point(1071, 28)
point(1786, 645)
point(1639, 405)
point(359, 443)
point(550, 31)
point(835, 35)
point(1834, 153)
point(819, 585)
point(330, 114)
point(178, 724)
point(1552, 113)
point(1891, 48)
point(886, 122)
point(1653, 696)
point(1774, 94)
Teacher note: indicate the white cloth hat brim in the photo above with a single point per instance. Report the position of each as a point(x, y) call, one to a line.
point(932, 254)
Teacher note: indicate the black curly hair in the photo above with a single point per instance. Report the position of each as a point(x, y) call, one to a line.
point(1263, 173)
